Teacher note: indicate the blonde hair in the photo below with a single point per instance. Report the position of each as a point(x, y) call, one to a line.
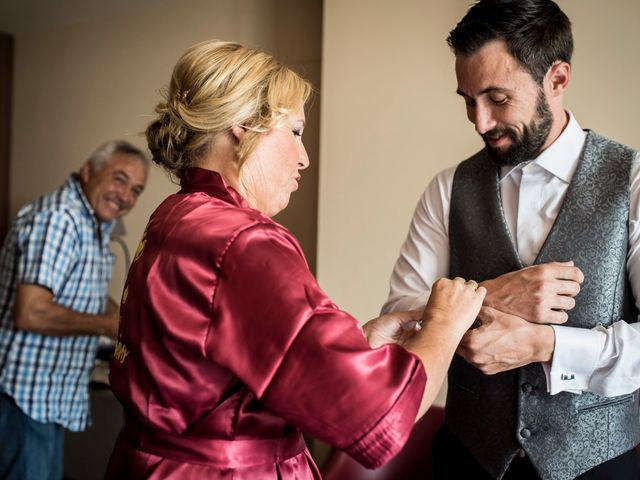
point(214, 86)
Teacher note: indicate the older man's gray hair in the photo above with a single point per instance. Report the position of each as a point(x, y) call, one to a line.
point(103, 154)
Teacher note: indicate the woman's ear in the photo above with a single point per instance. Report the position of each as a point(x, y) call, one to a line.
point(238, 132)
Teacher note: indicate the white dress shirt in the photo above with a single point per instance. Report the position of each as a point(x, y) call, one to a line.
point(602, 360)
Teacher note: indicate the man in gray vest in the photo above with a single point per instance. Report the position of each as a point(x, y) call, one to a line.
point(547, 218)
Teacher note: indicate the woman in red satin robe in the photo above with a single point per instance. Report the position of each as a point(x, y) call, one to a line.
point(227, 346)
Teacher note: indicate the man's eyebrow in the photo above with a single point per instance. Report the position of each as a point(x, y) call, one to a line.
point(121, 172)
point(489, 89)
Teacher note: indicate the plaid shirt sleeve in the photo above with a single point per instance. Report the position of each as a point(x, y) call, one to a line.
point(47, 250)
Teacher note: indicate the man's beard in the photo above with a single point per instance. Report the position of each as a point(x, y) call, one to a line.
point(525, 146)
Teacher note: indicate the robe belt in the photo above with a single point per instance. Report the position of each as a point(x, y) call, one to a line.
point(213, 451)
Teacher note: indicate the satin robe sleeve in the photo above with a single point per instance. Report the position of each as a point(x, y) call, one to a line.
point(305, 359)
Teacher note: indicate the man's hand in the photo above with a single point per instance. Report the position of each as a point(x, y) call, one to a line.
point(113, 307)
point(539, 294)
point(504, 342)
point(113, 318)
point(396, 327)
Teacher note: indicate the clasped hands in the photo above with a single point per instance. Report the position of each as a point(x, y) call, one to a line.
point(453, 306)
point(514, 320)
point(516, 316)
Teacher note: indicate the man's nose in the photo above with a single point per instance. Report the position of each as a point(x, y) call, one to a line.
point(126, 196)
point(483, 119)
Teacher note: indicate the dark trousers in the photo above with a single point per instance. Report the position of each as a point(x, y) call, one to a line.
point(451, 460)
point(29, 450)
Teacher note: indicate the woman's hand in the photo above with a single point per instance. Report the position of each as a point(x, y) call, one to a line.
point(454, 303)
point(452, 308)
point(395, 327)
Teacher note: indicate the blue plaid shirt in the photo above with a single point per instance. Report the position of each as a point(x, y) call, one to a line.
point(55, 242)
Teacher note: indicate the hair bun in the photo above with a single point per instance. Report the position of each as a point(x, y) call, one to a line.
point(167, 139)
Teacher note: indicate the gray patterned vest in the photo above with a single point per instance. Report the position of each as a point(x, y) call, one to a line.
point(495, 415)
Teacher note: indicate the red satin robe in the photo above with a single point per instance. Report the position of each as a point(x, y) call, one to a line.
point(228, 347)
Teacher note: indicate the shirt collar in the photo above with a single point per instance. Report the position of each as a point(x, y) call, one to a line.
point(202, 180)
point(561, 157)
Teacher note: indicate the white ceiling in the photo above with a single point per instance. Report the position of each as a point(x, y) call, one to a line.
point(19, 16)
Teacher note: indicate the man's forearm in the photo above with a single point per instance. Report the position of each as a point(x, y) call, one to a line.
point(35, 311)
point(540, 293)
point(57, 320)
point(544, 343)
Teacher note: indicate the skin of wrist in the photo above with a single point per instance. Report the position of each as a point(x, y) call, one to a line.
point(545, 342)
point(487, 284)
point(107, 325)
point(437, 324)
point(434, 315)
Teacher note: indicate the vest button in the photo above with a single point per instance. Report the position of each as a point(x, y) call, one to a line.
point(527, 387)
point(525, 433)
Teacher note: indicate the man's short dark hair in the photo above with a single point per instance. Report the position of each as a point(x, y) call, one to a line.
point(537, 33)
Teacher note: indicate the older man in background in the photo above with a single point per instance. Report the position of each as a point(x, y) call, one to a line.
point(55, 268)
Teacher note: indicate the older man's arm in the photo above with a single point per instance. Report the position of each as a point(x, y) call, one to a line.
point(35, 310)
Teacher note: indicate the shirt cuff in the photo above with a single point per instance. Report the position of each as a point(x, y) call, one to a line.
point(575, 356)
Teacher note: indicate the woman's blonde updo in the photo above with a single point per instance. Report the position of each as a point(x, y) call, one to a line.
point(214, 86)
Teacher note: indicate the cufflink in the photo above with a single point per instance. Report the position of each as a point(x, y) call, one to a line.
point(567, 376)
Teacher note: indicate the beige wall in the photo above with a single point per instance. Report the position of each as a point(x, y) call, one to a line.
point(391, 120)
point(77, 86)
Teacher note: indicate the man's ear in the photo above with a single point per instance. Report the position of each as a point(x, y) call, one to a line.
point(558, 76)
point(238, 132)
point(85, 172)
